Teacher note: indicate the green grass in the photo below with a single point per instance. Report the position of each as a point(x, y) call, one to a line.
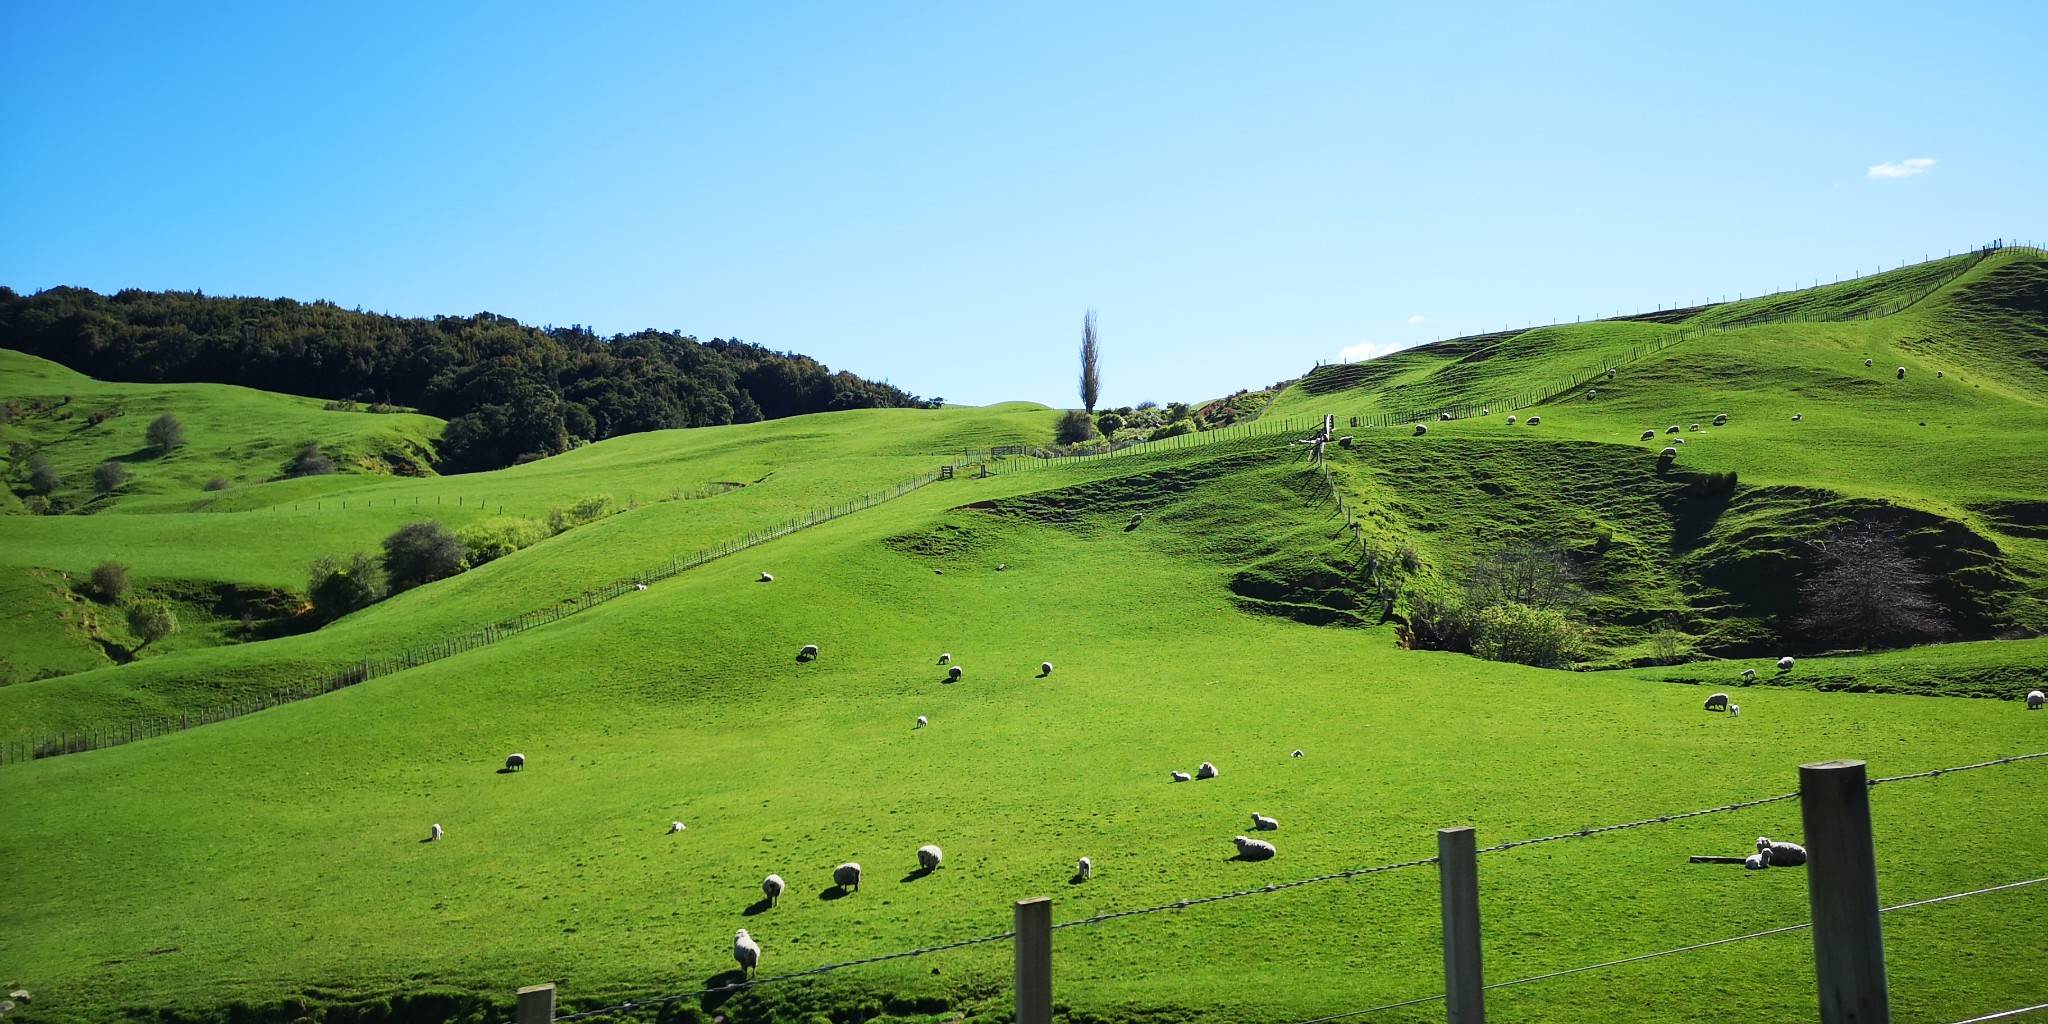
point(251, 869)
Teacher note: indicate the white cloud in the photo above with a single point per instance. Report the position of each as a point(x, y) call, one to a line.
point(1365, 350)
point(1902, 169)
point(1416, 319)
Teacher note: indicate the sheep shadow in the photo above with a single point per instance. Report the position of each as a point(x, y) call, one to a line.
point(1042, 674)
point(761, 906)
point(1244, 858)
point(506, 771)
point(803, 658)
point(428, 839)
point(915, 875)
point(722, 986)
point(1130, 528)
point(1077, 879)
point(835, 892)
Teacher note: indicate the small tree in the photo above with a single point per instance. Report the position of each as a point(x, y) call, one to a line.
point(150, 621)
point(1074, 427)
point(110, 582)
point(338, 586)
point(1516, 632)
point(1109, 423)
point(309, 462)
point(1868, 591)
point(1537, 573)
point(1091, 363)
point(107, 477)
point(422, 552)
point(43, 477)
point(165, 433)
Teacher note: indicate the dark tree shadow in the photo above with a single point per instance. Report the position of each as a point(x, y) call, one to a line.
point(915, 875)
point(835, 892)
point(761, 906)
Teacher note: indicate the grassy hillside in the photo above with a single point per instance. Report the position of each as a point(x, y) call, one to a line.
point(272, 867)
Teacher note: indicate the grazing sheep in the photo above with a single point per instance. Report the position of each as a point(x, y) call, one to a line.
point(437, 832)
point(810, 651)
point(1757, 861)
point(1938, 374)
point(1085, 870)
point(1668, 453)
point(515, 761)
point(1420, 430)
point(1648, 434)
point(1785, 855)
point(746, 951)
point(675, 827)
point(772, 886)
point(929, 856)
point(1796, 417)
point(1678, 440)
point(945, 659)
point(1444, 416)
point(1206, 771)
point(1749, 675)
point(1297, 753)
point(1511, 421)
point(847, 876)
point(1535, 420)
point(1721, 419)
point(921, 722)
point(1902, 373)
point(767, 578)
point(1717, 702)
point(938, 572)
point(1672, 429)
point(1001, 566)
point(953, 674)
point(1591, 394)
point(1866, 362)
point(1346, 441)
point(1735, 711)
point(1253, 849)
point(1137, 517)
point(1785, 663)
point(1610, 373)
point(1694, 427)
point(1261, 823)
point(1045, 669)
point(2035, 699)
point(1182, 777)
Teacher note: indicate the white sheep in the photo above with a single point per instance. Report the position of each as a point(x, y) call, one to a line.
point(1610, 373)
point(1592, 394)
point(746, 951)
point(1785, 663)
point(675, 827)
point(1749, 675)
point(1717, 702)
point(1085, 870)
point(809, 652)
point(1139, 517)
point(1420, 430)
point(1721, 419)
point(1648, 434)
point(1735, 711)
point(1788, 855)
point(1672, 429)
point(1346, 441)
point(1511, 421)
point(1297, 753)
point(772, 887)
point(1182, 777)
point(1668, 453)
point(1535, 420)
point(1757, 861)
point(437, 833)
point(1678, 440)
point(2035, 699)
point(945, 659)
point(767, 578)
point(1797, 417)
point(1206, 771)
point(1253, 849)
point(1938, 374)
point(921, 722)
point(1001, 566)
point(1261, 823)
point(515, 761)
point(1444, 417)
point(1902, 373)
point(929, 856)
point(1693, 427)
point(639, 586)
point(847, 876)
point(1045, 669)
point(1866, 362)
point(938, 572)
point(953, 674)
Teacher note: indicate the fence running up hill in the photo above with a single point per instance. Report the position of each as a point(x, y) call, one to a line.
point(1841, 877)
point(412, 657)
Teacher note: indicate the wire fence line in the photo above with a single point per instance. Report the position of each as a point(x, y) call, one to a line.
point(1660, 819)
point(2006, 1014)
point(98, 737)
point(1938, 772)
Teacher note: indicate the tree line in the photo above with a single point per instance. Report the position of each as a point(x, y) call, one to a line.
point(509, 391)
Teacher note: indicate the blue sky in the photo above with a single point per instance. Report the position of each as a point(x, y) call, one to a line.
point(935, 194)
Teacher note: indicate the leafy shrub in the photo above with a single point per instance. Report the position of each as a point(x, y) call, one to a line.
point(1543, 637)
point(107, 477)
point(219, 483)
point(1719, 482)
point(165, 433)
point(36, 504)
point(1109, 423)
point(1438, 619)
point(109, 582)
point(100, 416)
point(309, 462)
point(421, 552)
point(1174, 429)
point(1074, 427)
point(495, 538)
point(151, 621)
point(589, 508)
point(43, 477)
point(1669, 643)
point(338, 586)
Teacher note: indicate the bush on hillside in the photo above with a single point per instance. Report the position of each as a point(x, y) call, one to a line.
point(1109, 423)
point(421, 552)
point(1437, 619)
point(43, 477)
point(1543, 637)
point(309, 462)
point(150, 621)
point(1535, 572)
point(219, 483)
point(1074, 427)
point(338, 586)
point(165, 433)
point(1868, 591)
point(495, 538)
point(109, 582)
point(587, 509)
point(107, 477)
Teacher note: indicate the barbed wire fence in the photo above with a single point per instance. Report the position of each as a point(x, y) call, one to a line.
point(100, 737)
point(536, 1004)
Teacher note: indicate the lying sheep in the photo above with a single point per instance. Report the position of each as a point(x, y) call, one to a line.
point(1749, 675)
point(1757, 861)
point(515, 761)
point(772, 886)
point(1785, 663)
point(1206, 771)
point(639, 586)
point(1297, 753)
point(1420, 430)
point(809, 652)
point(1782, 855)
point(847, 876)
point(767, 578)
point(675, 827)
point(2035, 699)
point(1717, 702)
point(1721, 420)
point(746, 951)
point(1001, 566)
point(1045, 669)
point(1182, 777)
point(953, 674)
point(929, 856)
point(1261, 823)
point(1535, 420)
point(1796, 417)
point(1085, 870)
point(1253, 849)
point(1678, 440)
point(921, 722)
point(1648, 434)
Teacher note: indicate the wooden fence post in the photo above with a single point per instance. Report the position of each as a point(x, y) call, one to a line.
point(1841, 888)
point(1034, 961)
point(536, 1004)
point(1457, 863)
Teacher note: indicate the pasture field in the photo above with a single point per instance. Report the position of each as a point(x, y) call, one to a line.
point(273, 867)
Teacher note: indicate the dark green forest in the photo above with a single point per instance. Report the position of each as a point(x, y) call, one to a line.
point(510, 392)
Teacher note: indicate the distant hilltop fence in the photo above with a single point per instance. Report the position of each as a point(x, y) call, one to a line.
point(94, 738)
point(1332, 378)
point(1025, 458)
